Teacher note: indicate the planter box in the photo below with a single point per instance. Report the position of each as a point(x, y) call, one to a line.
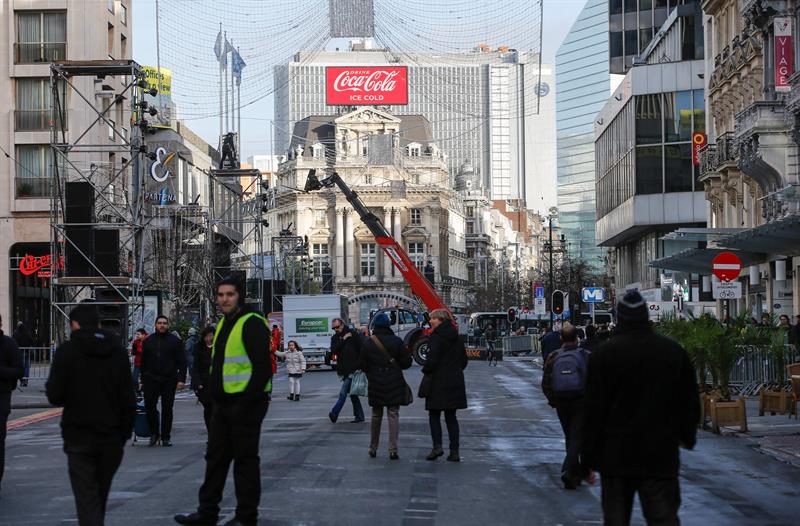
point(728, 413)
point(705, 405)
point(773, 402)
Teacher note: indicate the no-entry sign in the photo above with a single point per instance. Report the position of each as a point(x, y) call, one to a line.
point(726, 266)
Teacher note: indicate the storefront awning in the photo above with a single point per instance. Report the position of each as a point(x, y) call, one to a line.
point(781, 236)
point(698, 260)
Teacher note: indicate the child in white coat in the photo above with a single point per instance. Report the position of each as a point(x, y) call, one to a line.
point(295, 366)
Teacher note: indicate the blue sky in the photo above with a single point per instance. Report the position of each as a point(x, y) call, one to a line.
point(558, 18)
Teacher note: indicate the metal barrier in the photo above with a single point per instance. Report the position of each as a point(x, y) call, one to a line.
point(518, 344)
point(36, 361)
point(758, 368)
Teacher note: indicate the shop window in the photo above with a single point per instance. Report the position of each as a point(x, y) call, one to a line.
point(678, 167)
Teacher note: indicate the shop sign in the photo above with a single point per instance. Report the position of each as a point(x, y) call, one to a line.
point(158, 170)
point(381, 85)
point(698, 142)
point(784, 53)
point(41, 265)
point(162, 198)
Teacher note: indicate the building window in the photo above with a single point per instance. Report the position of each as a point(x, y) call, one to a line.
point(470, 228)
point(111, 40)
point(649, 170)
point(111, 6)
point(41, 36)
point(416, 216)
point(648, 119)
point(470, 211)
point(368, 259)
point(416, 253)
point(123, 47)
point(678, 167)
point(365, 148)
point(34, 170)
point(123, 14)
point(321, 217)
point(367, 178)
point(318, 151)
point(319, 255)
point(414, 150)
point(678, 116)
point(34, 104)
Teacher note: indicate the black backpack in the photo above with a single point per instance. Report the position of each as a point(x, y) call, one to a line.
point(569, 373)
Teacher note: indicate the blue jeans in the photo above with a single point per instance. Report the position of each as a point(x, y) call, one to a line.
point(358, 411)
point(136, 372)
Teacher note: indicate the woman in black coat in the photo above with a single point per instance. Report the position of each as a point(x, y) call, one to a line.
point(447, 359)
point(383, 365)
point(201, 371)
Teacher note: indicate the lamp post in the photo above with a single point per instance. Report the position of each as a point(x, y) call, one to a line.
point(552, 216)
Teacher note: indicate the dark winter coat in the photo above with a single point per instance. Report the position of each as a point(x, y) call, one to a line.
point(201, 371)
point(348, 352)
point(90, 377)
point(10, 364)
point(447, 359)
point(641, 405)
point(387, 385)
point(550, 342)
point(23, 338)
point(163, 359)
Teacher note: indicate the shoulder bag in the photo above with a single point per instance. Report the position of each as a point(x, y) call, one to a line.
point(408, 397)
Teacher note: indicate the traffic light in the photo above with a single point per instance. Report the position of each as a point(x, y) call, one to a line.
point(512, 315)
point(558, 302)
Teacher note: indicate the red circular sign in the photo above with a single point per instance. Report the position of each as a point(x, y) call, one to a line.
point(726, 266)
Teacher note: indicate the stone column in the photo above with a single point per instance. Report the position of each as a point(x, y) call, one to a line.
point(387, 263)
point(339, 243)
point(351, 244)
point(397, 233)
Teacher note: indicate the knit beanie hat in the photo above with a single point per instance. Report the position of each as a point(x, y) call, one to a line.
point(632, 309)
point(381, 321)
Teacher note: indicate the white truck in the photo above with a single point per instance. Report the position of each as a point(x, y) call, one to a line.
point(307, 320)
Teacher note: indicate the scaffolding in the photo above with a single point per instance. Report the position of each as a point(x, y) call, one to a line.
point(106, 155)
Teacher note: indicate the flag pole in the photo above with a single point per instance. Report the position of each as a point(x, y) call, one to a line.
point(239, 107)
point(225, 65)
point(219, 144)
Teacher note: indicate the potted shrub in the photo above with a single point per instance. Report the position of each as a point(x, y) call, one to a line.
point(722, 356)
point(774, 398)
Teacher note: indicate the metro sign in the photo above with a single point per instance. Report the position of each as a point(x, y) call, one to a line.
point(726, 266)
point(593, 294)
point(366, 86)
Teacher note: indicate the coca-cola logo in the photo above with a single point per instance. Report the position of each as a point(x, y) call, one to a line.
point(367, 85)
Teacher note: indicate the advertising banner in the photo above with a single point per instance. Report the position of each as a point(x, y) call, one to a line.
point(366, 86)
point(163, 100)
point(784, 53)
point(305, 325)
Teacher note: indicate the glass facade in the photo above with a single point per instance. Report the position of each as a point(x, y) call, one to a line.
point(582, 89)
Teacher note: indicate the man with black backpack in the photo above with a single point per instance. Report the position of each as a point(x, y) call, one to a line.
point(563, 383)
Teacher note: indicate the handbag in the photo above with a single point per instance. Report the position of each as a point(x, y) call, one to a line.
point(425, 386)
point(408, 397)
point(359, 385)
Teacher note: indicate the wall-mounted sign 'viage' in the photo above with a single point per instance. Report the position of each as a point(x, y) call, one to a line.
point(375, 85)
point(784, 53)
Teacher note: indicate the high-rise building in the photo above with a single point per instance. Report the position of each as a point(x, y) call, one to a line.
point(582, 88)
point(35, 33)
point(488, 107)
point(632, 25)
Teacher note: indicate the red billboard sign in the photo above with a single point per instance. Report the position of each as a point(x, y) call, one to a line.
point(40, 266)
point(784, 53)
point(366, 86)
point(698, 142)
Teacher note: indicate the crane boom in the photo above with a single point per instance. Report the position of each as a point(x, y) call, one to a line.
point(420, 286)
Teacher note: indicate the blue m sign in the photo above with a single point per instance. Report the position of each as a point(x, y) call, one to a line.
point(593, 295)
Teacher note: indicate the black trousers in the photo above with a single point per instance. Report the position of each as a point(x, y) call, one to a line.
point(91, 470)
point(5, 410)
point(207, 410)
point(570, 414)
point(153, 390)
point(660, 499)
point(435, 421)
point(234, 436)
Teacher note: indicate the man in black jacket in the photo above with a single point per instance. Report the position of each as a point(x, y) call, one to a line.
point(163, 371)
point(240, 385)
point(90, 377)
point(346, 344)
point(10, 371)
point(641, 406)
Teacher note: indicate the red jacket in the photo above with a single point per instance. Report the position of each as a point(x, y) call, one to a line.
point(136, 352)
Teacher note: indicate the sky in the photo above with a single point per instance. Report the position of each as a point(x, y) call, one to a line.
point(559, 16)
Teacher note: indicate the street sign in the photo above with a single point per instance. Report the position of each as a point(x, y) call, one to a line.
point(726, 290)
point(698, 142)
point(539, 306)
point(726, 266)
point(593, 294)
point(538, 291)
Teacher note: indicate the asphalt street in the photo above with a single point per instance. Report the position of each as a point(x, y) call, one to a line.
point(318, 473)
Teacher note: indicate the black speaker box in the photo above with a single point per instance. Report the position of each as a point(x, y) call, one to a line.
point(81, 238)
point(113, 318)
point(78, 202)
point(106, 251)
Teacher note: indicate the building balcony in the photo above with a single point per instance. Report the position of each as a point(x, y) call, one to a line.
point(765, 144)
point(793, 98)
point(708, 162)
point(39, 52)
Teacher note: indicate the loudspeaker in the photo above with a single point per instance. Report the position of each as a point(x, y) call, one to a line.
point(75, 264)
point(113, 318)
point(78, 202)
point(278, 289)
point(106, 251)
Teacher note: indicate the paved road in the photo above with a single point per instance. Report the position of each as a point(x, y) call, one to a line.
point(318, 473)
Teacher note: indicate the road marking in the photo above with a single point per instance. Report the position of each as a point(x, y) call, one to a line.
point(34, 418)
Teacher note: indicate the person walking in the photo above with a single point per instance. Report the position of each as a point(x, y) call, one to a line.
point(136, 352)
point(491, 339)
point(641, 407)
point(447, 359)
point(10, 372)
point(201, 373)
point(383, 360)
point(564, 383)
point(24, 341)
point(163, 371)
point(90, 378)
point(295, 367)
point(240, 385)
point(591, 342)
point(346, 345)
point(188, 347)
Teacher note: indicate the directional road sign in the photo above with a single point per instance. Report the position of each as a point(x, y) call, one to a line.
point(726, 290)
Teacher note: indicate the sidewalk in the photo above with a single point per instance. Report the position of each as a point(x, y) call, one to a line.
point(30, 397)
point(777, 436)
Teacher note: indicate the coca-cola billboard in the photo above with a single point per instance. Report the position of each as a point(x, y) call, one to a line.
point(366, 86)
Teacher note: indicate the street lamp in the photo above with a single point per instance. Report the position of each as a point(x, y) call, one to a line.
point(551, 216)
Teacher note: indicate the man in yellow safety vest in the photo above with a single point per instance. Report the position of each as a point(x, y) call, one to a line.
point(240, 387)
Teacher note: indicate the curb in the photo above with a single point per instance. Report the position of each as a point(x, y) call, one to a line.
point(33, 405)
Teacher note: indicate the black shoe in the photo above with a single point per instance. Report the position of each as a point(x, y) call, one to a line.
point(372, 453)
point(154, 440)
point(297, 398)
point(435, 453)
point(290, 397)
point(166, 443)
point(453, 456)
point(23, 382)
point(333, 417)
point(568, 482)
point(356, 421)
point(195, 519)
point(394, 456)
